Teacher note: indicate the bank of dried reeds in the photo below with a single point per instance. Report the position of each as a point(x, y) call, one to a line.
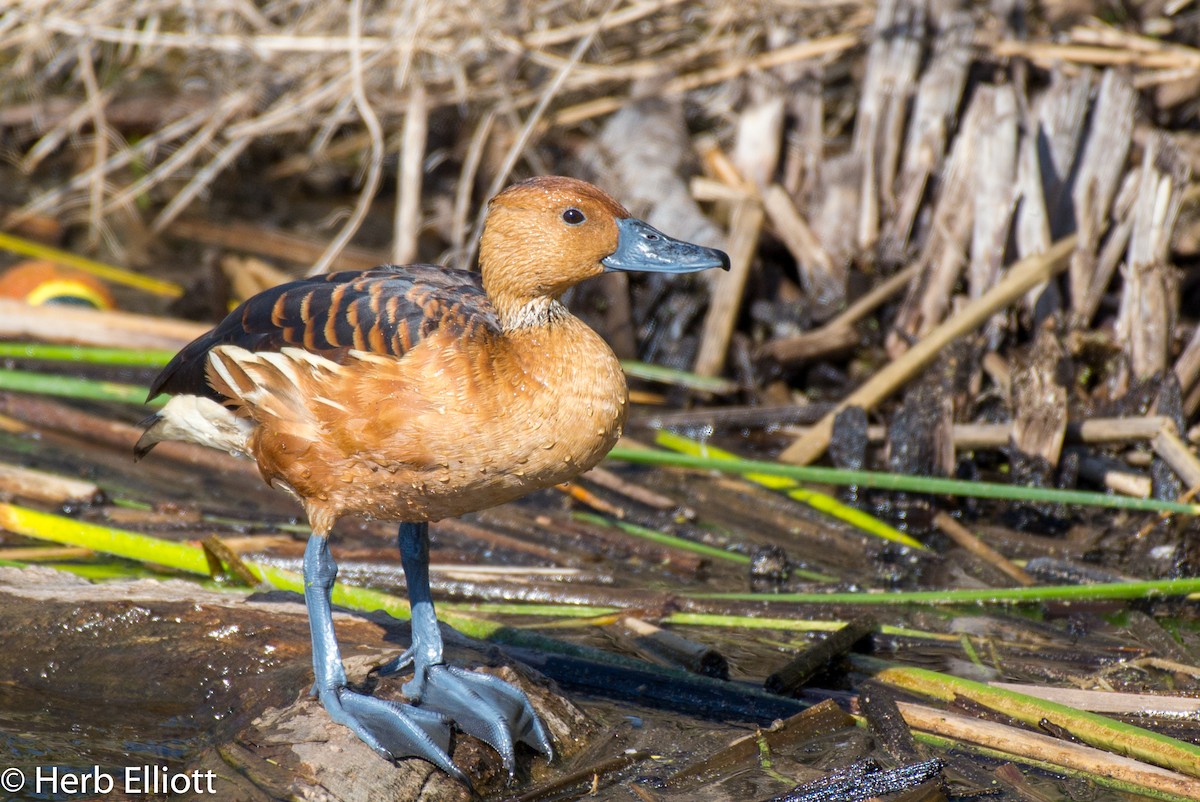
point(924, 148)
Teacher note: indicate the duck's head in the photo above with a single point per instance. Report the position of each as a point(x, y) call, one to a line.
point(547, 234)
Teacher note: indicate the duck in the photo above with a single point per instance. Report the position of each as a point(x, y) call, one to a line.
point(414, 393)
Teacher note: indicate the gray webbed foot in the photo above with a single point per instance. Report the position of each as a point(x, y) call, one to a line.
point(481, 705)
point(394, 730)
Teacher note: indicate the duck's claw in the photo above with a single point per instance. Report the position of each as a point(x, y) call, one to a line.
point(394, 730)
point(481, 705)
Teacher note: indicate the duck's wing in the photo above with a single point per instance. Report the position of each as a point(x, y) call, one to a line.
point(384, 311)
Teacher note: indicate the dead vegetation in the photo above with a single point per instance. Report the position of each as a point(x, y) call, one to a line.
point(964, 238)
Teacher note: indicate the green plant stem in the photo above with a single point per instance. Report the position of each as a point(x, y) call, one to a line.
point(24, 381)
point(679, 378)
point(116, 357)
point(1090, 728)
point(662, 539)
point(818, 501)
point(190, 559)
point(951, 744)
point(1046, 593)
point(891, 481)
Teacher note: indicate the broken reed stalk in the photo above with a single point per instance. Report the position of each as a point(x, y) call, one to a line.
point(1021, 277)
point(47, 488)
point(117, 275)
point(972, 543)
point(1173, 451)
point(790, 678)
point(820, 719)
point(593, 776)
point(251, 238)
point(954, 731)
point(818, 501)
point(1093, 729)
point(1134, 704)
point(728, 288)
point(92, 327)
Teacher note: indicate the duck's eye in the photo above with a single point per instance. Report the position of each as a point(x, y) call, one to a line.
point(573, 217)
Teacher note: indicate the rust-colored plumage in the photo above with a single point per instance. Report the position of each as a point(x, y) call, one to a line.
point(417, 393)
point(410, 393)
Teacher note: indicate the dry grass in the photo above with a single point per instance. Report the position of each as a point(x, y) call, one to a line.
point(199, 82)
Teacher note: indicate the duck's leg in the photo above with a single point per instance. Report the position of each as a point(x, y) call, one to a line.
point(393, 730)
point(480, 704)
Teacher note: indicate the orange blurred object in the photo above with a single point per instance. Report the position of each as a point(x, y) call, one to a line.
point(39, 282)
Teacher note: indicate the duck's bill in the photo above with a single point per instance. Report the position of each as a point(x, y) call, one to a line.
point(641, 246)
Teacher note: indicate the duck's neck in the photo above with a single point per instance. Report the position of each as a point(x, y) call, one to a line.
point(529, 313)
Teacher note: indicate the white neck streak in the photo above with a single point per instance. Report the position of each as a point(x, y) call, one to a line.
point(537, 313)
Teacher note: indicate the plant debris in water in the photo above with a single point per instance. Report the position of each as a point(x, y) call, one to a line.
point(964, 243)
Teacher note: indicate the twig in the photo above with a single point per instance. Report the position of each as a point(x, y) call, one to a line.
point(1024, 743)
point(45, 487)
point(142, 150)
point(199, 182)
point(966, 436)
point(408, 193)
point(792, 677)
point(375, 166)
point(1139, 704)
point(534, 119)
point(1021, 277)
point(639, 493)
point(253, 238)
point(811, 345)
point(875, 298)
point(664, 647)
point(1095, 730)
point(725, 298)
point(182, 156)
point(466, 186)
point(969, 541)
point(802, 51)
point(615, 19)
point(1112, 474)
point(1174, 452)
point(820, 719)
point(100, 136)
point(591, 775)
point(92, 327)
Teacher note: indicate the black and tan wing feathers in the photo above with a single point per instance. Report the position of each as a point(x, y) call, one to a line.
point(384, 311)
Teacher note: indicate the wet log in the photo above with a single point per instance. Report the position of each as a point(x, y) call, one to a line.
point(219, 682)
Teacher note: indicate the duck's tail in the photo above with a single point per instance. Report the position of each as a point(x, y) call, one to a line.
point(194, 419)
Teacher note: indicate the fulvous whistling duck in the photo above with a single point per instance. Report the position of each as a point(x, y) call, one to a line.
point(417, 393)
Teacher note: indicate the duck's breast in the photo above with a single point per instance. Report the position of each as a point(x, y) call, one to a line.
point(458, 424)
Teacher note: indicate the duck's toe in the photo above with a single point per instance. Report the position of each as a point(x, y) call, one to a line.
point(484, 706)
point(395, 730)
